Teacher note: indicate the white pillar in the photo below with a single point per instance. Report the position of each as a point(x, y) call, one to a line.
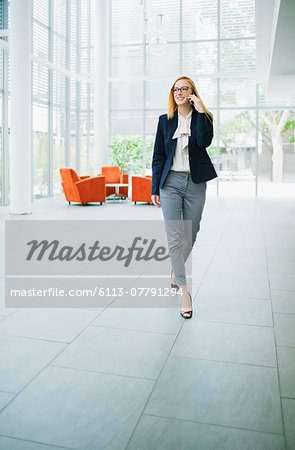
point(20, 107)
point(101, 64)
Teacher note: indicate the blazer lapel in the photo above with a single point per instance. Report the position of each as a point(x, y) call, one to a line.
point(193, 128)
point(172, 125)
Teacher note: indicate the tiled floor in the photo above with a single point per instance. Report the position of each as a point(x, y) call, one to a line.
point(114, 378)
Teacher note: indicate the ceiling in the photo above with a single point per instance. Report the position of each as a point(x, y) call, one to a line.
point(275, 47)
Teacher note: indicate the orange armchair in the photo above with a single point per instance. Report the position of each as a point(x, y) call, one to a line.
point(141, 189)
point(82, 189)
point(113, 175)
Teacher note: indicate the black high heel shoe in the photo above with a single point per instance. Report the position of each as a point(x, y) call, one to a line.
point(187, 314)
point(173, 286)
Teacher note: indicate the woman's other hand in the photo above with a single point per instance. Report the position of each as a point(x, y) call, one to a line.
point(156, 200)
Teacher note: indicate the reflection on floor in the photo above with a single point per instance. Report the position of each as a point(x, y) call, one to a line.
point(147, 379)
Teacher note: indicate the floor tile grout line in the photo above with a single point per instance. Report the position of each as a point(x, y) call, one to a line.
point(274, 331)
point(19, 336)
point(121, 375)
point(37, 442)
point(284, 314)
point(45, 367)
point(236, 363)
point(276, 289)
point(233, 296)
point(286, 346)
point(250, 325)
point(214, 424)
point(235, 324)
point(204, 321)
point(284, 290)
point(8, 392)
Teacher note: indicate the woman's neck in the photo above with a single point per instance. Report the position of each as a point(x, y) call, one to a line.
point(185, 109)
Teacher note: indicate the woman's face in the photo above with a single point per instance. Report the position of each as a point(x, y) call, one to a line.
point(181, 96)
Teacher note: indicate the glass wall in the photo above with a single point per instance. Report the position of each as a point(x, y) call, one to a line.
point(85, 119)
point(213, 42)
point(151, 43)
point(276, 149)
point(1, 181)
point(61, 93)
point(40, 99)
point(4, 105)
point(62, 111)
point(1, 107)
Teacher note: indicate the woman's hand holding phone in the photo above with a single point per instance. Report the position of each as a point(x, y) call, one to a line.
point(196, 103)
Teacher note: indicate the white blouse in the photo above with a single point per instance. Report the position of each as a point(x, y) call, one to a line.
point(180, 159)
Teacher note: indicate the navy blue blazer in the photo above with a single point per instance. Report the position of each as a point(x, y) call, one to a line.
point(201, 137)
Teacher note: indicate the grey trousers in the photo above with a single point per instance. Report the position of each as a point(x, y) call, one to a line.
point(182, 204)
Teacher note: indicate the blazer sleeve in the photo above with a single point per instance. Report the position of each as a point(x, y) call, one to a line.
point(159, 158)
point(204, 130)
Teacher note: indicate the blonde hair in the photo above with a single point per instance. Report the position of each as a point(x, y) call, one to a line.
point(172, 106)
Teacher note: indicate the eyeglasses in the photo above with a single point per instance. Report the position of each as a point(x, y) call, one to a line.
point(183, 89)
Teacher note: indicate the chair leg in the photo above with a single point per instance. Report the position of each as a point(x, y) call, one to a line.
point(100, 203)
point(134, 203)
point(69, 203)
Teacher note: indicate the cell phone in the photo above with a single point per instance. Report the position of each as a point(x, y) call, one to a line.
point(191, 101)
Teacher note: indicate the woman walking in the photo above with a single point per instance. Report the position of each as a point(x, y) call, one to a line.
point(181, 167)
